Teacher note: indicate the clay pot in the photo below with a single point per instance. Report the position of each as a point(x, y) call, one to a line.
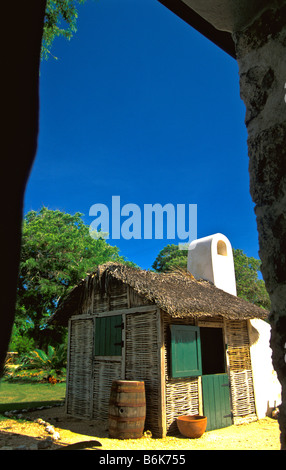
point(192, 426)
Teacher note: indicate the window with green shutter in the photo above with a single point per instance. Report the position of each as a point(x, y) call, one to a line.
point(108, 336)
point(185, 351)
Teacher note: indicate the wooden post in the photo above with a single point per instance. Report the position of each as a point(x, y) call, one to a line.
point(162, 381)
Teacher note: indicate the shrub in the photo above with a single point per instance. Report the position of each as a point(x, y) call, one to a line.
point(50, 365)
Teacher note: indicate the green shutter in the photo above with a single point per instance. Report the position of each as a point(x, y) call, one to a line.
point(185, 351)
point(108, 336)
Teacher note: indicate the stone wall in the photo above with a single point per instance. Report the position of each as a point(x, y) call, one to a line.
point(262, 69)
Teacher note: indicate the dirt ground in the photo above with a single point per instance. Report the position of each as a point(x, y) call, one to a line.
point(73, 433)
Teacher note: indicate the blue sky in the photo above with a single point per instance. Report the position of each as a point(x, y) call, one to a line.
point(140, 105)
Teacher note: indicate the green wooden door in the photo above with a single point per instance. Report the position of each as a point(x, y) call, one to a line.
point(216, 401)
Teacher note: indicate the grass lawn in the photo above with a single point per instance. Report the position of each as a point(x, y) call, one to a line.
point(15, 396)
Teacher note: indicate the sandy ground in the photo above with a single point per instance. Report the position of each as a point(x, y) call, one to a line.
point(29, 435)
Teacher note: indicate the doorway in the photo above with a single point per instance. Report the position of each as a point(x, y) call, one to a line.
point(212, 350)
point(215, 381)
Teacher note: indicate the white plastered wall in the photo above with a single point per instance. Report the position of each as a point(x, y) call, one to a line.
point(267, 388)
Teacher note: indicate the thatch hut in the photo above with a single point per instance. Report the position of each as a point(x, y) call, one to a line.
point(188, 340)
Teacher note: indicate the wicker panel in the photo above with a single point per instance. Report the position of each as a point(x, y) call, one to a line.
point(240, 371)
point(79, 368)
point(104, 373)
point(95, 299)
point(243, 404)
point(118, 302)
point(211, 321)
point(142, 363)
point(118, 296)
point(88, 296)
point(182, 398)
point(136, 299)
point(101, 303)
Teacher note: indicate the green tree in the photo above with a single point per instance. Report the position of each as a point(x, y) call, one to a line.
point(248, 284)
point(21, 341)
point(170, 257)
point(60, 21)
point(57, 252)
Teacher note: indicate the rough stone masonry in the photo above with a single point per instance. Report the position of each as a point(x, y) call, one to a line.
point(261, 59)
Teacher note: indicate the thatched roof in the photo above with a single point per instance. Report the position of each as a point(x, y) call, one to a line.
point(177, 293)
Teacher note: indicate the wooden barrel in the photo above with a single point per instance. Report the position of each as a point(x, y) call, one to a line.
point(127, 409)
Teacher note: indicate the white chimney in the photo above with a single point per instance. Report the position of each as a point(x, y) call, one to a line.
point(211, 258)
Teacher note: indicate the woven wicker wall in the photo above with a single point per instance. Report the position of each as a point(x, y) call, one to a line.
point(80, 359)
point(142, 363)
point(95, 299)
point(240, 371)
point(182, 398)
point(104, 372)
point(135, 299)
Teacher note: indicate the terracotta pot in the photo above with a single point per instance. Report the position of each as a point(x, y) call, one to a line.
point(192, 426)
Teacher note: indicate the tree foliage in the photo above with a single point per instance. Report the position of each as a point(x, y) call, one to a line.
point(248, 284)
point(57, 252)
point(170, 257)
point(60, 21)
